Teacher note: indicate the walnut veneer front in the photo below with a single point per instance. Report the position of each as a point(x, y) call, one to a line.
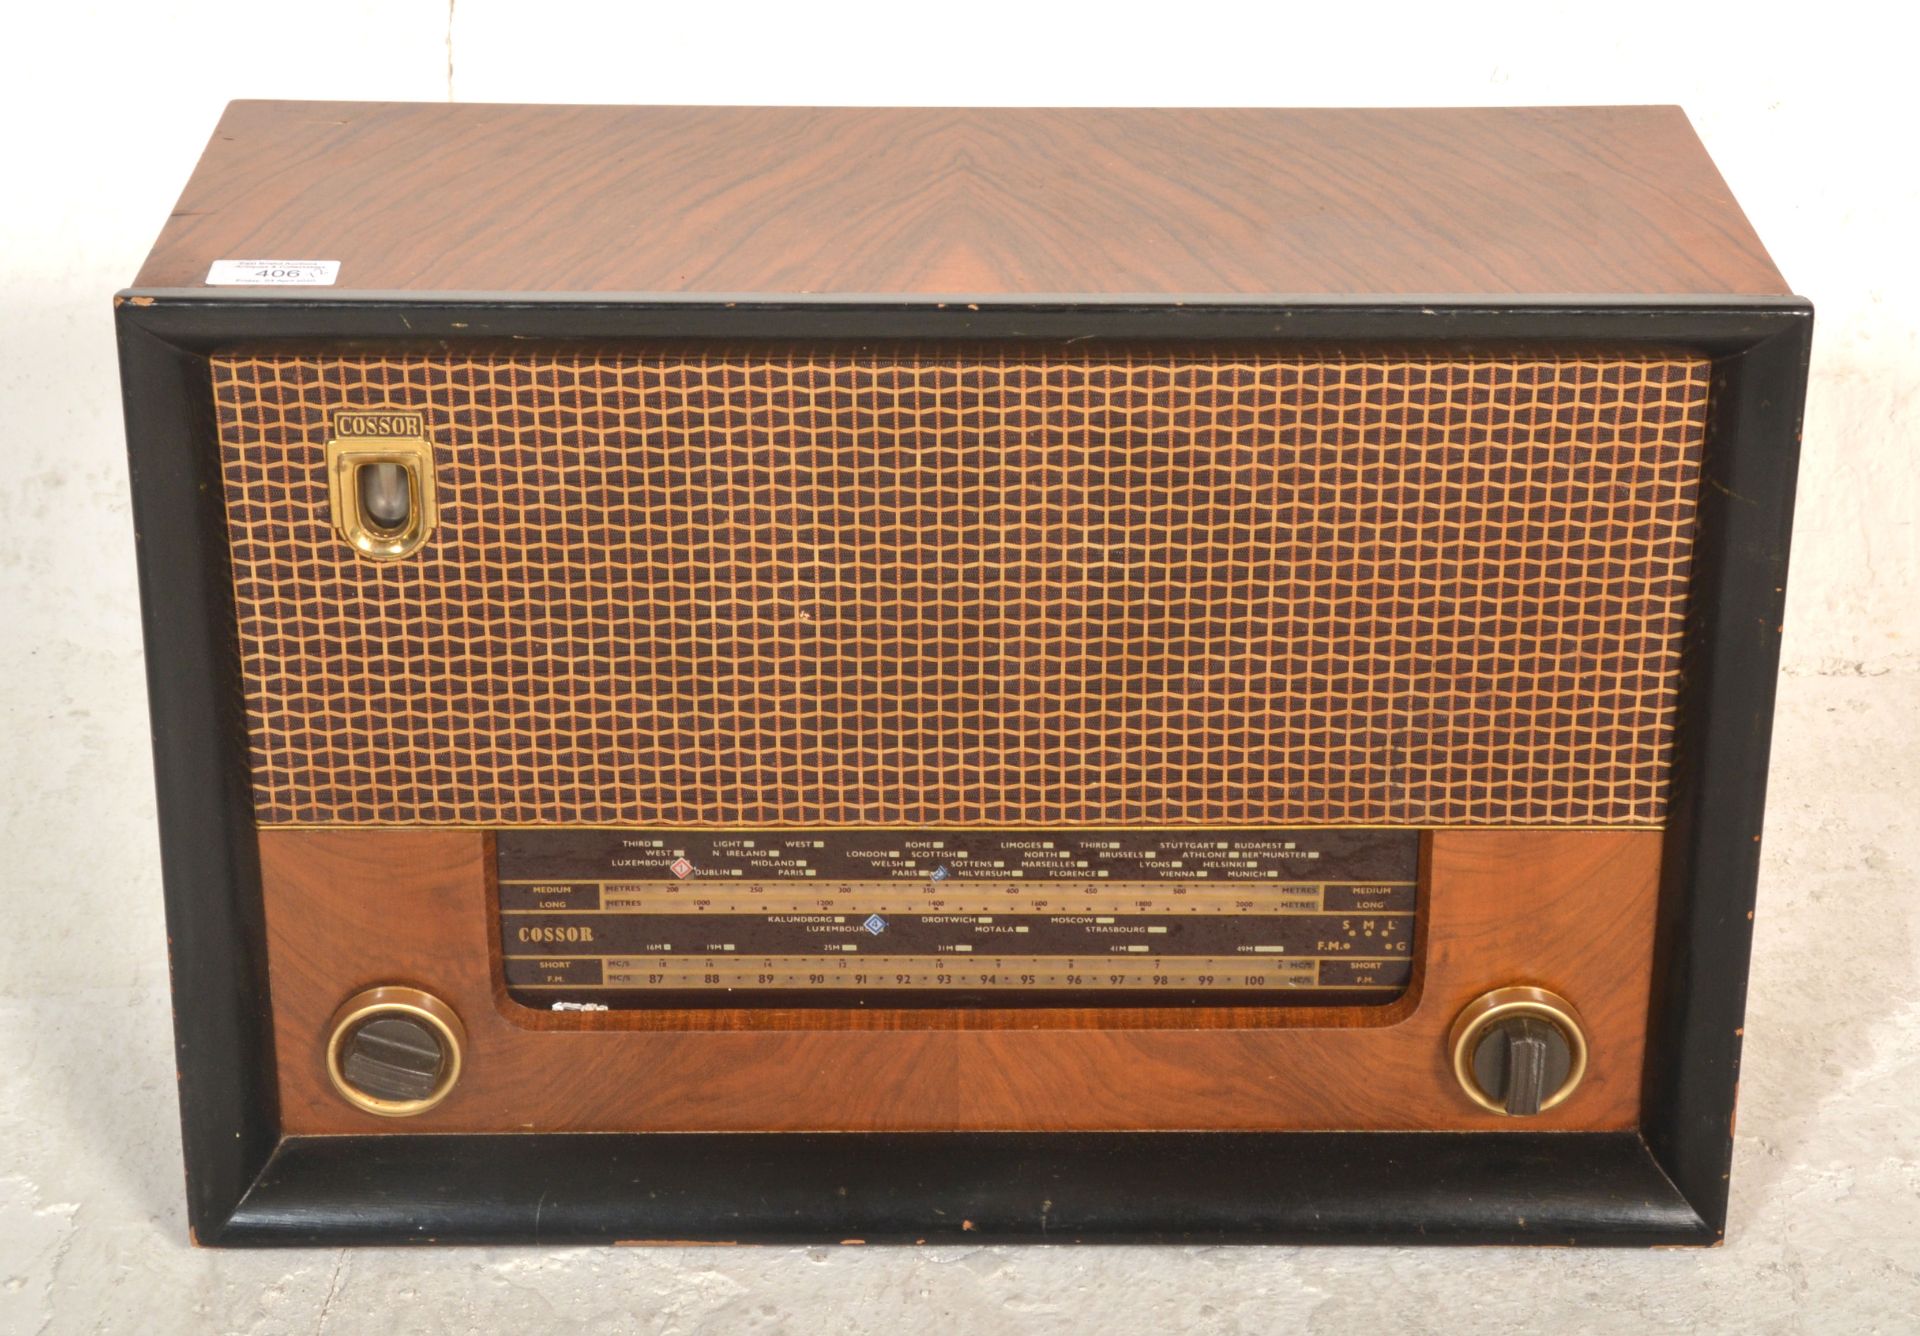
point(1572, 911)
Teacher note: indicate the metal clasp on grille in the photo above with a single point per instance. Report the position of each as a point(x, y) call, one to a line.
point(380, 482)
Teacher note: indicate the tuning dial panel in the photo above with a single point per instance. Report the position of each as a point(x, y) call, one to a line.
point(1519, 1051)
point(394, 1051)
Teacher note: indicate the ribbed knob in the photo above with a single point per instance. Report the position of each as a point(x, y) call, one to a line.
point(1518, 1051)
point(394, 1051)
point(1519, 1062)
point(393, 1057)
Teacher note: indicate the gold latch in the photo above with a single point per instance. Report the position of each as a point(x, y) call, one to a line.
point(380, 478)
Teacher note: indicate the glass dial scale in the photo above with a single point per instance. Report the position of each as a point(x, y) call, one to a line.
point(625, 919)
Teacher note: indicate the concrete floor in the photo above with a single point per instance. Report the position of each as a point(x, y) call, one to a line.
point(1826, 1198)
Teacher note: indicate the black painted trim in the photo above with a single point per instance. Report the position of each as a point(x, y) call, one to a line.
point(1129, 1187)
point(1724, 327)
point(1718, 787)
point(249, 1186)
point(209, 856)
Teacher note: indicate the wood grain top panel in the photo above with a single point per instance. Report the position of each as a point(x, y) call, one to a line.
point(464, 198)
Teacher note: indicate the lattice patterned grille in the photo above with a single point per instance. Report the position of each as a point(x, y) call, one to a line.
point(971, 587)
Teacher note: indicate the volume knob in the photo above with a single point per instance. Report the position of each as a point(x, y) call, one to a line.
point(394, 1051)
point(393, 1058)
point(1518, 1051)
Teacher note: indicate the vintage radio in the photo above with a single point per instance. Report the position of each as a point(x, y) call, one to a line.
point(923, 675)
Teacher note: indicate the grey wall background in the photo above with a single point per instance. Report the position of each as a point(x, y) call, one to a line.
point(107, 105)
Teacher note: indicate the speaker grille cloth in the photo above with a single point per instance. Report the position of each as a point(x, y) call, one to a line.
point(1004, 588)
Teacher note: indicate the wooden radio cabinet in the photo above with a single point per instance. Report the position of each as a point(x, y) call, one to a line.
point(907, 675)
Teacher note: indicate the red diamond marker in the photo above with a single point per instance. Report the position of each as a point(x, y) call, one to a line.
point(682, 868)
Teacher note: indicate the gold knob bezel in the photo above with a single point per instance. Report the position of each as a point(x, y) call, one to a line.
point(1488, 1010)
point(395, 1000)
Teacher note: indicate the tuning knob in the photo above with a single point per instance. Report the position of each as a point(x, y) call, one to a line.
point(394, 1051)
point(1518, 1051)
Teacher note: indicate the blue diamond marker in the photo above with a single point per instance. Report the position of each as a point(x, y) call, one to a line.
point(875, 924)
point(940, 874)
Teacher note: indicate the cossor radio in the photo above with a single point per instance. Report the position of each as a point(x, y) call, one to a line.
point(907, 675)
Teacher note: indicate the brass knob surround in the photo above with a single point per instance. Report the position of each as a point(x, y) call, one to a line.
point(394, 1051)
point(1535, 1018)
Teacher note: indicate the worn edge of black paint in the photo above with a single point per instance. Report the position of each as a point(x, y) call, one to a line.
point(230, 1124)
